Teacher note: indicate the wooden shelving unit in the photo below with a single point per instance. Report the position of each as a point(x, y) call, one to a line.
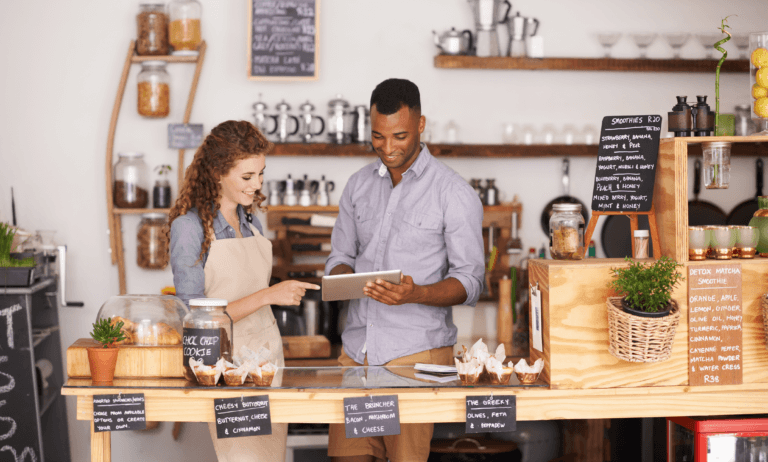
point(590, 64)
point(114, 214)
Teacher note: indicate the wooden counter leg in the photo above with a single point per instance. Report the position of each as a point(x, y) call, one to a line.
point(101, 445)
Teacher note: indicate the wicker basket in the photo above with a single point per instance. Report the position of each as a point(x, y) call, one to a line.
point(637, 339)
point(764, 306)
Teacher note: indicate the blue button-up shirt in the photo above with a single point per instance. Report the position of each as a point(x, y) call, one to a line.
point(430, 227)
point(187, 241)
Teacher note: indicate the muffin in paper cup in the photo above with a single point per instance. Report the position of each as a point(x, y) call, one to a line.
point(469, 373)
point(235, 376)
point(268, 372)
point(528, 374)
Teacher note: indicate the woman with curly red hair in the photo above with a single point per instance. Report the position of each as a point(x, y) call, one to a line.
point(218, 251)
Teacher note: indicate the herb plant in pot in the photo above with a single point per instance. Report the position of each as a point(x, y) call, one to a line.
point(13, 271)
point(643, 320)
point(102, 359)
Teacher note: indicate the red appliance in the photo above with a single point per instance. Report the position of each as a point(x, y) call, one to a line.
point(717, 439)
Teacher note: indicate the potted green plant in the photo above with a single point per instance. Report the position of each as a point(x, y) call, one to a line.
point(648, 288)
point(13, 271)
point(102, 359)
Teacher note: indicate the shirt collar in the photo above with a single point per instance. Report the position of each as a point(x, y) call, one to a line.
point(417, 167)
point(220, 223)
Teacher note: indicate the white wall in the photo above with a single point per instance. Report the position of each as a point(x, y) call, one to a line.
point(61, 61)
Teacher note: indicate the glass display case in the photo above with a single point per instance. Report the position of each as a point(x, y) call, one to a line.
point(717, 439)
point(148, 320)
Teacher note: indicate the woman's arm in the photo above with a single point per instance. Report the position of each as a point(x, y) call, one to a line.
point(186, 243)
point(284, 293)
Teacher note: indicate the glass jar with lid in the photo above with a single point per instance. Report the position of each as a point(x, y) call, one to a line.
point(131, 184)
point(151, 242)
point(151, 30)
point(148, 320)
point(154, 96)
point(184, 31)
point(339, 125)
point(207, 334)
point(566, 232)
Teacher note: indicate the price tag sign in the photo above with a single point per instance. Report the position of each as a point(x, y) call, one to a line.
point(185, 136)
point(202, 344)
point(114, 413)
point(488, 414)
point(245, 416)
point(371, 416)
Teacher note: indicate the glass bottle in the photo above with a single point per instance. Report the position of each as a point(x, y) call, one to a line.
point(641, 243)
point(154, 94)
point(758, 81)
point(161, 192)
point(207, 333)
point(717, 164)
point(566, 232)
point(760, 221)
point(151, 30)
point(131, 185)
point(184, 32)
point(151, 242)
point(744, 124)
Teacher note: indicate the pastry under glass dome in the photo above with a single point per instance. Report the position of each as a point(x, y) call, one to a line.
point(149, 320)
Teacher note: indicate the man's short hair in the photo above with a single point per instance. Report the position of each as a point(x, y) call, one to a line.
point(392, 94)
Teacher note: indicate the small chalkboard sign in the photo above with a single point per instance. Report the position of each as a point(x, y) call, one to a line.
point(244, 416)
point(487, 414)
point(626, 163)
point(185, 136)
point(282, 39)
point(114, 413)
point(714, 324)
point(202, 344)
point(371, 416)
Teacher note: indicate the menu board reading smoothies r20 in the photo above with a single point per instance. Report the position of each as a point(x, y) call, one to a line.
point(282, 41)
point(626, 163)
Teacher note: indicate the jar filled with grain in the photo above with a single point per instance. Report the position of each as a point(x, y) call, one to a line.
point(152, 242)
point(566, 232)
point(151, 30)
point(154, 89)
point(131, 185)
point(184, 29)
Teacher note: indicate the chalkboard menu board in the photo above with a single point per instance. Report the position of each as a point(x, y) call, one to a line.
point(244, 416)
point(714, 324)
point(282, 39)
point(626, 163)
point(119, 412)
point(202, 344)
point(486, 414)
point(18, 411)
point(371, 416)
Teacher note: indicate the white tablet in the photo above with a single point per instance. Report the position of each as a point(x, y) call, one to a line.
point(350, 286)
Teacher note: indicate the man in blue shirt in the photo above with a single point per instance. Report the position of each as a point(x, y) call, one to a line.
point(406, 211)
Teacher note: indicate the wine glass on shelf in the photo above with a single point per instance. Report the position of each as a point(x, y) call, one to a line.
point(608, 40)
point(742, 43)
point(708, 42)
point(643, 41)
point(676, 41)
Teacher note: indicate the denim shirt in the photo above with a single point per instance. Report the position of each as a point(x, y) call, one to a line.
point(430, 227)
point(187, 241)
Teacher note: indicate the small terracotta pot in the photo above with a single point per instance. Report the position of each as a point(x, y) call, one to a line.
point(102, 362)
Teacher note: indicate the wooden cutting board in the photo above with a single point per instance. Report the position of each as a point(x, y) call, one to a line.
point(166, 361)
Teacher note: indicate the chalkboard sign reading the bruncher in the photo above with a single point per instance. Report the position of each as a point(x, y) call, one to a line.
point(487, 414)
point(714, 325)
point(121, 412)
point(283, 39)
point(626, 163)
point(371, 416)
point(244, 416)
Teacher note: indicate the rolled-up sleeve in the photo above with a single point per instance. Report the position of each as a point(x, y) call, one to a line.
point(344, 240)
point(186, 243)
point(463, 213)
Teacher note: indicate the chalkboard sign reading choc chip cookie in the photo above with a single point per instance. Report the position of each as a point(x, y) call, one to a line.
point(282, 43)
point(202, 345)
point(714, 325)
point(626, 163)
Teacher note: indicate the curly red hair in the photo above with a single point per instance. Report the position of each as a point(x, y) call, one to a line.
point(227, 143)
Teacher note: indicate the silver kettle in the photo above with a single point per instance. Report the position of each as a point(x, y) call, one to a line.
point(452, 42)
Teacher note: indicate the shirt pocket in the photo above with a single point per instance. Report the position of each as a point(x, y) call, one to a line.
point(420, 231)
point(365, 225)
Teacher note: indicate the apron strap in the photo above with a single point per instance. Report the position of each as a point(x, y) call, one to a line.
point(254, 230)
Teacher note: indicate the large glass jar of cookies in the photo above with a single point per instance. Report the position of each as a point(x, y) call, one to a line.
point(154, 92)
point(207, 334)
point(152, 242)
point(184, 31)
point(148, 320)
point(566, 232)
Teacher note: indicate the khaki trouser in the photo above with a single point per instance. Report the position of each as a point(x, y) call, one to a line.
point(412, 444)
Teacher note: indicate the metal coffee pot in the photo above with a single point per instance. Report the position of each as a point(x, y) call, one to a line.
point(323, 192)
point(520, 28)
point(308, 190)
point(275, 186)
point(262, 119)
point(339, 121)
point(486, 14)
point(282, 119)
point(452, 42)
point(306, 117)
point(289, 195)
point(361, 125)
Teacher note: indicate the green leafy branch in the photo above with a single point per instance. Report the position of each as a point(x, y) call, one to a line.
point(647, 287)
point(163, 169)
point(106, 333)
point(7, 233)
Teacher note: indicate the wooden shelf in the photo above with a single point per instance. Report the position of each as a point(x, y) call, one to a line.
point(118, 211)
point(166, 58)
point(590, 64)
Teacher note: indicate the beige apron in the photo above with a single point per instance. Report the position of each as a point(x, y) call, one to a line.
point(235, 269)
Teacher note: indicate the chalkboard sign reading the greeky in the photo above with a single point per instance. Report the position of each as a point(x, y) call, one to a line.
point(626, 163)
